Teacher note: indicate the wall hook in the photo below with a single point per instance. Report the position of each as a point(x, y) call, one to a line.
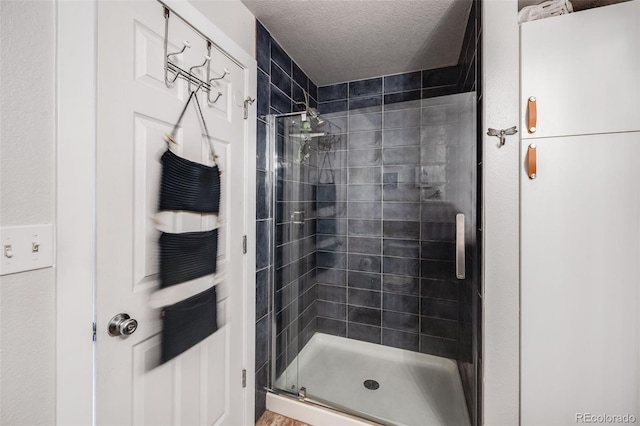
point(186, 45)
point(209, 79)
point(224, 74)
point(171, 67)
point(167, 64)
point(207, 58)
point(215, 100)
point(502, 134)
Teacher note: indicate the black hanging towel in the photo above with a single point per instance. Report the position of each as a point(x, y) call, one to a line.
point(187, 256)
point(186, 185)
point(187, 323)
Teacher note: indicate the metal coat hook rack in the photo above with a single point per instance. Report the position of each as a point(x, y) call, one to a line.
point(172, 71)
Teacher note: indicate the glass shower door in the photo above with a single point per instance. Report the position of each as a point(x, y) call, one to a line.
point(394, 317)
point(295, 175)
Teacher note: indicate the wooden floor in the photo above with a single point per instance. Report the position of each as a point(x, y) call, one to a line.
point(270, 418)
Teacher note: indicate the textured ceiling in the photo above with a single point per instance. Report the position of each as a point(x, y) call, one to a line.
point(342, 40)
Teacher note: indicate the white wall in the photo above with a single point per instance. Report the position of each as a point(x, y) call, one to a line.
point(27, 191)
point(501, 310)
point(233, 18)
point(28, 196)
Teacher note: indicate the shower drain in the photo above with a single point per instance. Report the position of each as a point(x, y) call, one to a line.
point(371, 384)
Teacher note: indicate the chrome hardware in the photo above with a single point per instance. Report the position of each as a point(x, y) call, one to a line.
point(298, 218)
point(502, 133)
point(172, 71)
point(302, 393)
point(186, 45)
point(460, 260)
point(122, 325)
point(224, 74)
point(207, 58)
point(210, 80)
point(215, 100)
point(247, 102)
point(168, 65)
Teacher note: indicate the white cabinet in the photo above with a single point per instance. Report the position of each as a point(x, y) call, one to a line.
point(580, 217)
point(584, 71)
point(580, 298)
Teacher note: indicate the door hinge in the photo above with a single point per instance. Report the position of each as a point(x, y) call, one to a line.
point(94, 331)
point(244, 244)
point(244, 378)
point(248, 102)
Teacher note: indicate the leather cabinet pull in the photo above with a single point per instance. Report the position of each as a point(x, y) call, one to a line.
point(531, 161)
point(532, 115)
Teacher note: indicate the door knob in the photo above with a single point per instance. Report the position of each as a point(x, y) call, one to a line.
point(122, 325)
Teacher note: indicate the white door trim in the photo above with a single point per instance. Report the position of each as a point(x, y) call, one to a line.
point(75, 222)
point(76, 176)
point(501, 214)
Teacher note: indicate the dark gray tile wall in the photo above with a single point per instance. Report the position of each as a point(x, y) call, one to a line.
point(470, 343)
point(280, 84)
point(386, 223)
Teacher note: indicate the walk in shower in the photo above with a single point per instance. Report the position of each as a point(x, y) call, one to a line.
point(373, 253)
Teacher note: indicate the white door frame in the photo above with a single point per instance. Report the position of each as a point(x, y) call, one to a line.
point(76, 25)
point(501, 214)
point(75, 209)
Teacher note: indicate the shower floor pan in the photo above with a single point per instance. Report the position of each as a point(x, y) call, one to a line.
point(413, 389)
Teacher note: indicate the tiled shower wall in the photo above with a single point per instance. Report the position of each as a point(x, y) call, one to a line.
point(386, 225)
point(368, 252)
point(280, 83)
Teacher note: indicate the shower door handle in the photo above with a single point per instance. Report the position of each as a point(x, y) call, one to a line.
point(460, 249)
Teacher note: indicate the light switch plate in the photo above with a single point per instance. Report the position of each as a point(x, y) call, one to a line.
point(25, 248)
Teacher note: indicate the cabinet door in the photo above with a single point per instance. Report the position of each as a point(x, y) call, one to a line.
point(580, 298)
point(584, 71)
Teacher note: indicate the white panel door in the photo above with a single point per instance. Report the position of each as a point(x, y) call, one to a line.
point(583, 69)
point(580, 294)
point(136, 110)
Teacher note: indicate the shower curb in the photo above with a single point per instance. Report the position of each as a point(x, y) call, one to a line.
point(309, 413)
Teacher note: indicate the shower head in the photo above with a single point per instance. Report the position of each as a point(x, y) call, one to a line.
point(306, 130)
point(315, 114)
